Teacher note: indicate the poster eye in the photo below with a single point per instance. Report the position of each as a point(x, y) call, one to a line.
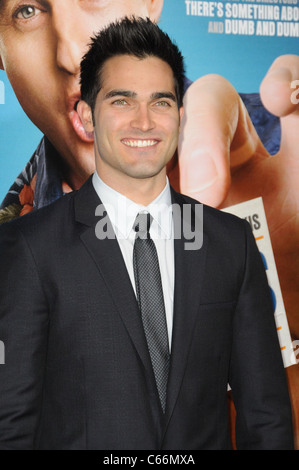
point(26, 12)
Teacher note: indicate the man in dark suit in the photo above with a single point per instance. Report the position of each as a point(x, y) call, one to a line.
point(121, 331)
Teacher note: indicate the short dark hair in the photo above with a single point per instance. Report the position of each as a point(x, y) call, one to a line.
point(130, 36)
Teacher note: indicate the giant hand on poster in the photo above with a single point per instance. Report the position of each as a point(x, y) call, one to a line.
point(237, 167)
point(41, 46)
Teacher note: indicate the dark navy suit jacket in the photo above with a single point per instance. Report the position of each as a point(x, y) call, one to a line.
point(78, 373)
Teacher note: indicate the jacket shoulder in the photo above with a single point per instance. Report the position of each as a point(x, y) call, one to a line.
point(215, 216)
point(41, 219)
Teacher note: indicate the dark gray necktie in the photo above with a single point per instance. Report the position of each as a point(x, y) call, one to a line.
point(151, 302)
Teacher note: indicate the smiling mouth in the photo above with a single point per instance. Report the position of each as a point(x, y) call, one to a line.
point(139, 143)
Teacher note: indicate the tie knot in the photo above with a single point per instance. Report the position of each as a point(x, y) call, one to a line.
point(142, 223)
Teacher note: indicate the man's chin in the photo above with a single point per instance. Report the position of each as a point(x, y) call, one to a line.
point(147, 173)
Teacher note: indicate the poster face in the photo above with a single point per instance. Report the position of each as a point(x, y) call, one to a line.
point(238, 40)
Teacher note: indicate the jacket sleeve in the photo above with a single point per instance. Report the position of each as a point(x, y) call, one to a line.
point(23, 331)
point(257, 375)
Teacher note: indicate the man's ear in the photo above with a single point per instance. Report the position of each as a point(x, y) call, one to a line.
point(85, 114)
point(154, 9)
point(1, 64)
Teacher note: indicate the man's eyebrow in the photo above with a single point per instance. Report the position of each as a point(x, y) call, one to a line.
point(163, 94)
point(113, 93)
point(131, 94)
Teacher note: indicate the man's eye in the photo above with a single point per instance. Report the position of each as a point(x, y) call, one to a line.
point(26, 12)
point(162, 104)
point(120, 102)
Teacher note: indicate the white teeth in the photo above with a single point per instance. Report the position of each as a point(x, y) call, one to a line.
point(139, 143)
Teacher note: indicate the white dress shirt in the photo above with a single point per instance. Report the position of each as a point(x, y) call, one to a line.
point(122, 213)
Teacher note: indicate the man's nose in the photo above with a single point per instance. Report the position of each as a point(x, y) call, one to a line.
point(143, 119)
point(71, 40)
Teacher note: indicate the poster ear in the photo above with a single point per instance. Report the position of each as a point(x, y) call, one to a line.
point(85, 114)
point(154, 8)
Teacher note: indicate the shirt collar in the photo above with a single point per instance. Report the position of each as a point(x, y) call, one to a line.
point(123, 211)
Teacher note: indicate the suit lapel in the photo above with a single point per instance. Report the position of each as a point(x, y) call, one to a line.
point(189, 271)
point(109, 260)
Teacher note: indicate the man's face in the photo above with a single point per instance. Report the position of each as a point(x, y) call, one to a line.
point(136, 121)
point(41, 46)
